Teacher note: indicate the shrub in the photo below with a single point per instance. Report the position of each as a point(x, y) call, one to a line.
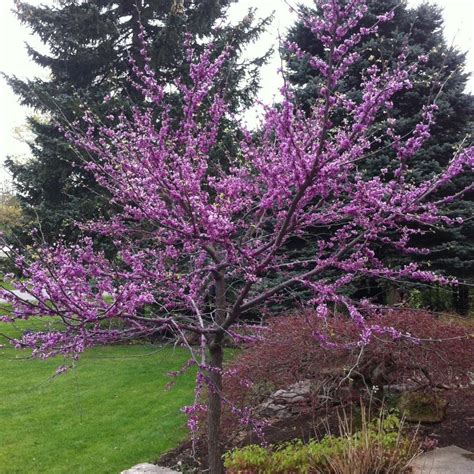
point(286, 355)
point(379, 446)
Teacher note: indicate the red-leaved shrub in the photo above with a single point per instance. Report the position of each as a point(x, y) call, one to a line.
point(440, 352)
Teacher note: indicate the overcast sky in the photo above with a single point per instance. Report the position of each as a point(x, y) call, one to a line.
point(459, 26)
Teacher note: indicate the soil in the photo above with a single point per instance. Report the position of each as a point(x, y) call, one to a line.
point(194, 461)
point(457, 428)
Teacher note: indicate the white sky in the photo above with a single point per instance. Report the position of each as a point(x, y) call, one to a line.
point(459, 26)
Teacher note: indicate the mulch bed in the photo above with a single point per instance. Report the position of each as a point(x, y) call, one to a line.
point(458, 426)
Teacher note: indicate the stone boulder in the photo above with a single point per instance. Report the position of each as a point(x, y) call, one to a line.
point(288, 402)
point(421, 407)
point(452, 460)
point(149, 469)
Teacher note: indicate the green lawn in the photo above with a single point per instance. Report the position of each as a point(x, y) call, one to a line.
point(7, 286)
point(112, 411)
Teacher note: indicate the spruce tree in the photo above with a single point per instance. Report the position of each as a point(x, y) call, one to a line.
point(90, 44)
point(420, 31)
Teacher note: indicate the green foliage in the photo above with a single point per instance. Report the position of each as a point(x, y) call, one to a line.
point(437, 299)
point(415, 299)
point(250, 457)
point(382, 436)
point(10, 217)
point(10, 211)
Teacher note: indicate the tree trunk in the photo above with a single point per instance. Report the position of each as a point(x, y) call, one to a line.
point(461, 299)
point(393, 295)
point(214, 407)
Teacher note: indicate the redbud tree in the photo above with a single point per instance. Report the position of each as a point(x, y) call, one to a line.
point(199, 246)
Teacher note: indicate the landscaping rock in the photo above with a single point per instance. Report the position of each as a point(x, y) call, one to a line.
point(420, 407)
point(452, 460)
point(285, 403)
point(471, 378)
point(149, 469)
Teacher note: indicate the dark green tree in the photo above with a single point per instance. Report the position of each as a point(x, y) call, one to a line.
point(442, 79)
point(90, 43)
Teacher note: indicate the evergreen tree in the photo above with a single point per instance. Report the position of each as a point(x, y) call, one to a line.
point(90, 44)
point(420, 30)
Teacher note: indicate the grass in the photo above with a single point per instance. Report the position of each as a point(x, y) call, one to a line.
point(108, 413)
point(6, 285)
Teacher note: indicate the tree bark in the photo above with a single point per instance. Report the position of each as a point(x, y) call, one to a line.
point(461, 299)
point(393, 295)
point(214, 408)
point(216, 358)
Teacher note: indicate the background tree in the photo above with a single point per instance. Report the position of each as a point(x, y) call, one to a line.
point(90, 43)
point(198, 249)
point(10, 217)
point(10, 211)
point(421, 29)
